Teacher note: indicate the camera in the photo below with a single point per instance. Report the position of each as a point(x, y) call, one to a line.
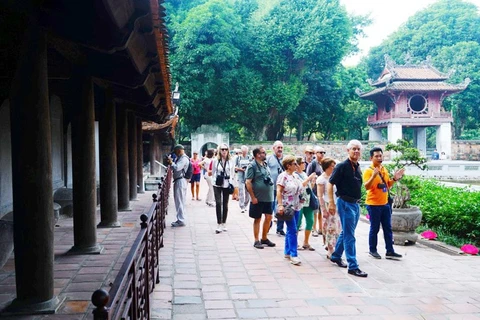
point(268, 181)
point(381, 186)
point(279, 170)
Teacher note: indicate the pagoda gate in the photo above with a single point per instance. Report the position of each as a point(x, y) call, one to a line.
point(411, 96)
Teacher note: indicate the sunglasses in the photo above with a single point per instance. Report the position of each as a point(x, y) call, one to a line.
point(322, 152)
point(224, 149)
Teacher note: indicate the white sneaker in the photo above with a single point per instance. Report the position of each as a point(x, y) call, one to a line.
point(219, 228)
point(224, 227)
point(295, 261)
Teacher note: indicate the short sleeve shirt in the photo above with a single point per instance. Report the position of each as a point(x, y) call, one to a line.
point(323, 181)
point(275, 167)
point(242, 162)
point(292, 189)
point(257, 173)
point(347, 176)
point(377, 196)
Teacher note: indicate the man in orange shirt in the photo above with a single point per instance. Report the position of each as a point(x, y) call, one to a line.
point(377, 183)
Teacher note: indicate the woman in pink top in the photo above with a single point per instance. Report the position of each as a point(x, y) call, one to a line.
point(196, 173)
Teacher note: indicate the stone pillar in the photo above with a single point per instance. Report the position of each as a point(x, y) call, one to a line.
point(132, 155)
point(394, 132)
point(153, 148)
point(421, 139)
point(141, 186)
point(122, 161)
point(374, 134)
point(444, 139)
point(83, 166)
point(32, 179)
point(108, 164)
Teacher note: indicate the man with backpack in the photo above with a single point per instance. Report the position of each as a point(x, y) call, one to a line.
point(182, 172)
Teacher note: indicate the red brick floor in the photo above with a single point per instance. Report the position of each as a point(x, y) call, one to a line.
point(222, 276)
point(77, 277)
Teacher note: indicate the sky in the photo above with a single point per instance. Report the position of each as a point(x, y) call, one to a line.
point(387, 16)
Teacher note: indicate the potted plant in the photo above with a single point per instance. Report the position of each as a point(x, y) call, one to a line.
point(405, 218)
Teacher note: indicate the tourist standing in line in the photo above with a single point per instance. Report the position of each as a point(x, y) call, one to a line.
point(179, 167)
point(260, 187)
point(347, 177)
point(222, 172)
point(196, 174)
point(331, 221)
point(289, 190)
point(309, 152)
point(377, 184)
point(241, 164)
point(307, 182)
point(206, 165)
point(315, 166)
point(274, 162)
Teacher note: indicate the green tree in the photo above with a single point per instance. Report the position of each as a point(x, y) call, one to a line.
point(295, 36)
point(448, 31)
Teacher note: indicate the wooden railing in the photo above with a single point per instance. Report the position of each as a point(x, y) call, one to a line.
point(129, 297)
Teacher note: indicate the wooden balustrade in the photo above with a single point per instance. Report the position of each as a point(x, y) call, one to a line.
point(129, 297)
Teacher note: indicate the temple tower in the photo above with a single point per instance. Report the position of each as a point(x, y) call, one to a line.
point(411, 96)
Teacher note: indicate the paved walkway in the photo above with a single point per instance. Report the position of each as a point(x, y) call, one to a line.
point(222, 276)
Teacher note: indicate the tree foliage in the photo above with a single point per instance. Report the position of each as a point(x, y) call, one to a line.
point(449, 32)
point(248, 65)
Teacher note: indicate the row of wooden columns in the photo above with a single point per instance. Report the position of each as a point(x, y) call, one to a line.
point(121, 169)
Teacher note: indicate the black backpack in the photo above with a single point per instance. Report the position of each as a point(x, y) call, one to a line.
point(189, 173)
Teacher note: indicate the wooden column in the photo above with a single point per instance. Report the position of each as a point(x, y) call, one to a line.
point(153, 148)
point(141, 186)
point(132, 155)
point(83, 167)
point(122, 161)
point(32, 179)
point(108, 164)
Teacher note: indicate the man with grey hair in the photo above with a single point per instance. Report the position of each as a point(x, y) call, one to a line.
point(347, 177)
point(274, 162)
point(179, 167)
point(241, 163)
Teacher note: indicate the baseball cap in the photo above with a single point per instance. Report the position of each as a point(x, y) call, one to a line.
point(309, 149)
point(178, 146)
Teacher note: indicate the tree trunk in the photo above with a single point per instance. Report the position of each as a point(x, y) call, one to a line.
point(300, 130)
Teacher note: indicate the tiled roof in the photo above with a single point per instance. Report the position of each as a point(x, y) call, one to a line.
point(417, 86)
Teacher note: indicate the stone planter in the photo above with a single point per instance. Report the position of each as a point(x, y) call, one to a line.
point(6, 238)
point(404, 223)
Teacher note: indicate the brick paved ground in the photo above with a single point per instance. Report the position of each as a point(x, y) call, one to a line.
point(209, 276)
point(77, 277)
point(222, 276)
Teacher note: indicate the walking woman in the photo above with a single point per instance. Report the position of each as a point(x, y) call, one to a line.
point(331, 222)
point(197, 172)
point(306, 211)
point(222, 173)
point(205, 164)
point(289, 190)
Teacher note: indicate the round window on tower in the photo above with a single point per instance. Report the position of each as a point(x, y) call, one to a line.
point(417, 104)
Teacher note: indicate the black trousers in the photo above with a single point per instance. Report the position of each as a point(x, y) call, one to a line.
point(221, 202)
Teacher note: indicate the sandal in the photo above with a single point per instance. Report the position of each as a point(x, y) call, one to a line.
point(301, 248)
point(308, 247)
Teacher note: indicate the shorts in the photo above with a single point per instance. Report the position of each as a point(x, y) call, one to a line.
point(256, 210)
point(195, 178)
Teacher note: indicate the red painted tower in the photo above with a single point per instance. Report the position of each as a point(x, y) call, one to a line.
point(411, 96)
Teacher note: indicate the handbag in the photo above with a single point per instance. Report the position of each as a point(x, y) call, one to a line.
point(231, 188)
point(313, 204)
point(288, 214)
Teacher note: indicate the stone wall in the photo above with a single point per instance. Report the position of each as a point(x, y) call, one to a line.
point(466, 150)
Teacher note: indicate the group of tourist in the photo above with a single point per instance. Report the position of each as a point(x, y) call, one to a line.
point(312, 186)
